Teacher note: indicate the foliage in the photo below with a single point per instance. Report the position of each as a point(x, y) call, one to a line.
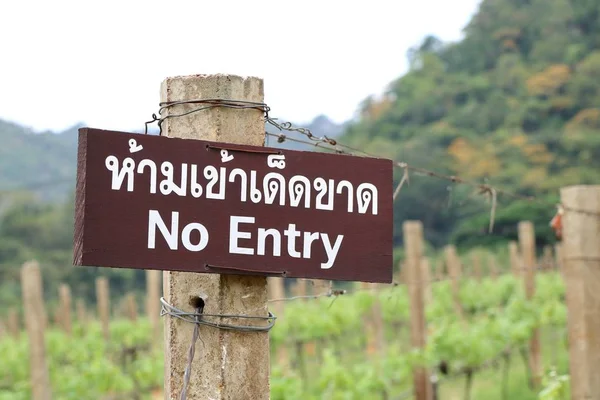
point(338, 365)
point(514, 104)
point(86, 366)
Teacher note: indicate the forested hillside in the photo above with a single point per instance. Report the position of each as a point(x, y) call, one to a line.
point(40, 162)
point(516, 104)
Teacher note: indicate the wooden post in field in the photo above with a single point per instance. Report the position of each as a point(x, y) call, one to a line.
point(440, 272)
point(455, 274)
point(103, 300)
point(426, 279)
point(373, 322)
point(492, 267)
point(527, 244)
point(515, 259)
point(81, 312)
point(413, 243)
point(276, 290)
point(153, 302)
point(33, 303)
point(476, 260)
point(234, 365)
point(14, 327)
point(300, 288)
point(547, 258)
point(131, 307)
point(581, 258)
point(65, 309)
point(558, 258)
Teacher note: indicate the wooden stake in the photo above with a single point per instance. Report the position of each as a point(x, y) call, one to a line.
point(515, 259)
point(527, 244)
point(413, 243)
point(81, 312)
point(131, 307)
point(103, 300)
point(65, 309)
point(153, 303)
point(373, 322)
point(581, 258)
point(558, 258)
point(440, 270)
point(547, 258)
point(33, 303)
point(14, 327)
point(476, 260)
point(300, 288)
point(233, 365)
point(455, 274)
point(276, 289)
point(492, 267)
point(426, 278)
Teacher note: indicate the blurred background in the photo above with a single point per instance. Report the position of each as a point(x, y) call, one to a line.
point(499, 92)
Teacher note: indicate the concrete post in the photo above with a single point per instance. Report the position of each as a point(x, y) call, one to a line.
point(231, 365)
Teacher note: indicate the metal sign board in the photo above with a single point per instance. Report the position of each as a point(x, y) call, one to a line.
point(153, 202)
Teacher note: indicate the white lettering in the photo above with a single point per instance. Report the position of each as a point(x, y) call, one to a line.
point(309, 238)
point(235, 235)
point(154, 221)
point(187, 231)
point(331, 251)
point(292, 234)
point(262, 239)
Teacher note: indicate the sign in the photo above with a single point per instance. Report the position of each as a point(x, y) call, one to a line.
point(189, 205)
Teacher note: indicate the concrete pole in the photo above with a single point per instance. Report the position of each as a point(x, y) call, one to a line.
point(581, 270)
point(230, 365)
point(33, 303)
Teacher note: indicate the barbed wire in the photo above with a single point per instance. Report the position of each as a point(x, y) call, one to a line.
point(382, 287)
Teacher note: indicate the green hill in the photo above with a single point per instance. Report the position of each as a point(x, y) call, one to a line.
point(515, 104)
point(45, 163)
point(39, 162)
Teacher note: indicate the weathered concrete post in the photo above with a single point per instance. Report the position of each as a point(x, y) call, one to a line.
point(581, 270)
point(230, 365)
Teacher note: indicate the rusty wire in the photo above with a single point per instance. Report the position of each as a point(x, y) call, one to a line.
point(328, 144)
point(379, 287)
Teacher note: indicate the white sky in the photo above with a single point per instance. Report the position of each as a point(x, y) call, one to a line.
point(102, 62)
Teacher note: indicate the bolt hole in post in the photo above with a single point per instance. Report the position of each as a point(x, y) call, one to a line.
point(198, 302)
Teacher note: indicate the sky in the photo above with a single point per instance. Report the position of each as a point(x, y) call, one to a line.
point(101, 62)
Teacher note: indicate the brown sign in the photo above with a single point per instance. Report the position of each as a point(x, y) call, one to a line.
point(189, 205)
